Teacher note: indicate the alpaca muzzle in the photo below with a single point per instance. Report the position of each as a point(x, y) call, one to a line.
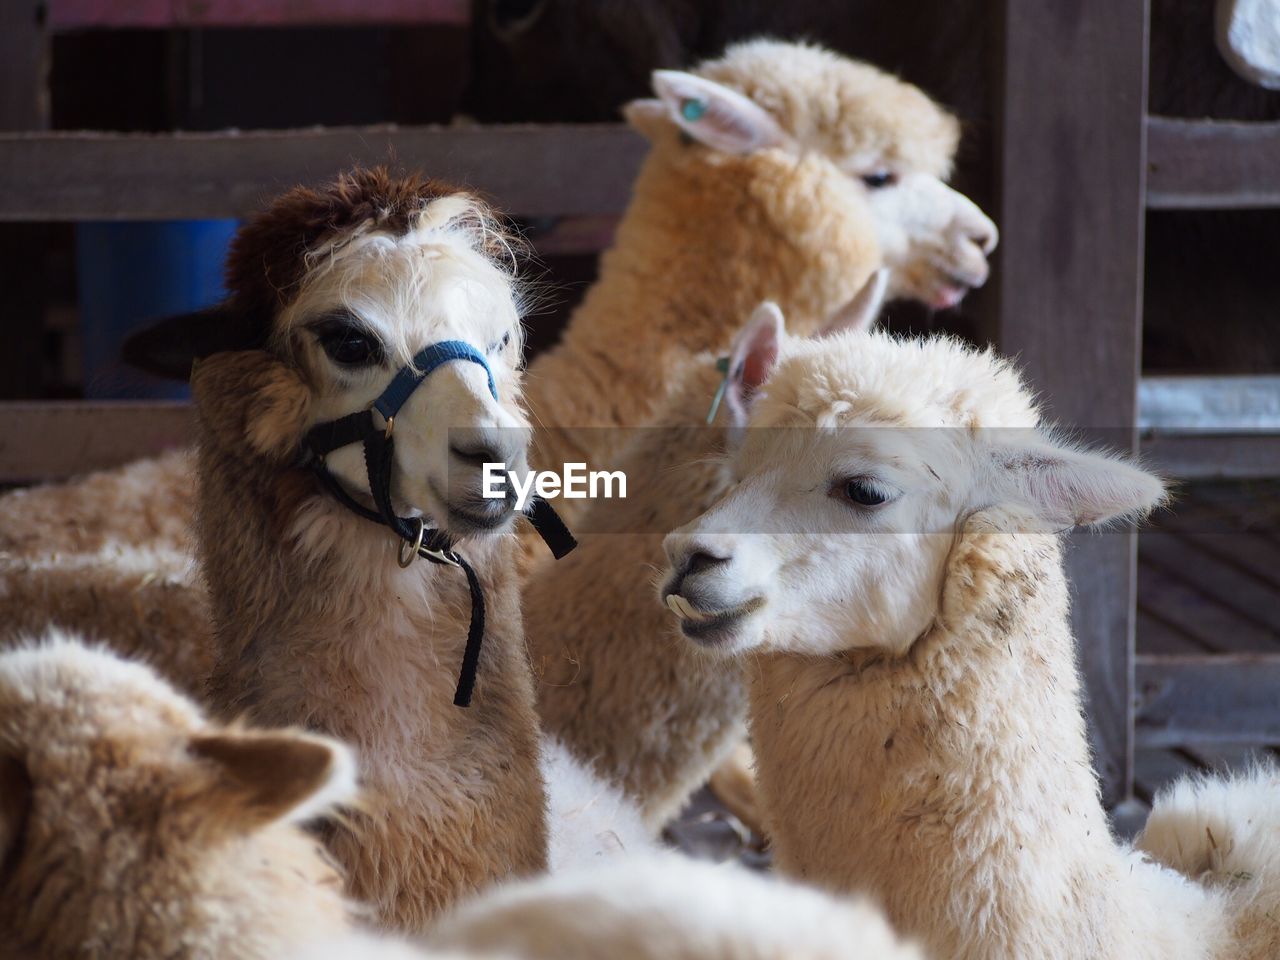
point(416, 538)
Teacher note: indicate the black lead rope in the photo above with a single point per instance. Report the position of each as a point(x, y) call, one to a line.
point(379, 456)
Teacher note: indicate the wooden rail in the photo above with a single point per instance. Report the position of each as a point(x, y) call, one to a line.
point(67, 15)
point(1224, 698)
point(53, 440)
point(546, 170)
point(1212, 164)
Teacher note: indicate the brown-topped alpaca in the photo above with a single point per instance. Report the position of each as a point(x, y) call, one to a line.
point(315, 621)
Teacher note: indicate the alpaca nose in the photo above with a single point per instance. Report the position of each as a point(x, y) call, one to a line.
point(984, 235)
point(481, 445)
point(700, 561)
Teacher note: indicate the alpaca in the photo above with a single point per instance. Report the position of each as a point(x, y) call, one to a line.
point(654, 718)
point(320, 616)
point(647, 908)
point(132, 826)
point(888, 571)
point(781, 172)
point(1248, 35)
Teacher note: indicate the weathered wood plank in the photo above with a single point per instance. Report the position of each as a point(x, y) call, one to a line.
point(1185, 404)
point(1252, 604)
point(1211, 455)
point(1207, 699)
point(1172, 592)
point(1072, 150)
point(1212, 164)
point(534, 170)
point(53, 440)
point(170, 14)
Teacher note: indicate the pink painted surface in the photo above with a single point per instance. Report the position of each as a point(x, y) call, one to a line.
point(107, 14)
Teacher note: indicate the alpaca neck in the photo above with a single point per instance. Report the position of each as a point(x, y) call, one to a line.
point(952, 783)
point(704, 241)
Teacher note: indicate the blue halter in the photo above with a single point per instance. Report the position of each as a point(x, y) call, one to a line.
point(379, 452)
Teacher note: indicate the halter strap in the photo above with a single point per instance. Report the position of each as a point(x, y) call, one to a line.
point(423, 365)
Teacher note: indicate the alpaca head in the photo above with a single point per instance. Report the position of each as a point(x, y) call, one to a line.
point(867, 455)
point(337, 289)
point(129, 823)
point(888, 142)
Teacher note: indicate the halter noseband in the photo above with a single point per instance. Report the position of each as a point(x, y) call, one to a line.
point(417, 539)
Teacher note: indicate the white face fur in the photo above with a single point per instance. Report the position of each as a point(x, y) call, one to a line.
point(837, 533)
point(934, 240)
point(367, 307)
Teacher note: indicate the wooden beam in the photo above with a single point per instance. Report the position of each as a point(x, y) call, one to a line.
point(169, 14)
point(1213, 455)
point(1212, 164)
point(52, 440)
point(531, 170)
point(1069, 275)
point(1207, 699)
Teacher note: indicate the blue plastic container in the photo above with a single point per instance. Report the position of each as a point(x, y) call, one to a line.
point(131, 273)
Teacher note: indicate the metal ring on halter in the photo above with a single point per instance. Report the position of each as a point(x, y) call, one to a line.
point(404, 560)
point(391, 423)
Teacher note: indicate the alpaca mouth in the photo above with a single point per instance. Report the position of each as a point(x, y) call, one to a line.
point(465, 522)
point(710, 628)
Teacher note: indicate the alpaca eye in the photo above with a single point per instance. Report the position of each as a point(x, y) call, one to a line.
point(863, 492)
point(501, 344)
point(881, 178)
point(348, 344)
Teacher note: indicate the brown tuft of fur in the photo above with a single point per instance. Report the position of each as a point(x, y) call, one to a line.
point(268, 257)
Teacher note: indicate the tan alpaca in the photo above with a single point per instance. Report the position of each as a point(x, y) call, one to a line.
point(715, 227)
point(889, 570)
point(316, 622)
point(653, 714)
point(761, 198)
point(132, 827)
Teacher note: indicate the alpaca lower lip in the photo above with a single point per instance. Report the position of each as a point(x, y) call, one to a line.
point(710, 627)
point(464, 521)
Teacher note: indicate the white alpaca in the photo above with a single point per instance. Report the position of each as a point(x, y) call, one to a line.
point(647, 908)
point(890, 560)
point(130, 826)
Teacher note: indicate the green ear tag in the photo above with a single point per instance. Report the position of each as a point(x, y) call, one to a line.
point(723, 366)
point(693, 109)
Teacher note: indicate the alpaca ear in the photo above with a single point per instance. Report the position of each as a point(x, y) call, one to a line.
point(267, 777)
point(15, 804)
point(860, 312)
point(169, 347)
point(717, 116)
point(251, 397)
point(751, 359)
point(1069, 488)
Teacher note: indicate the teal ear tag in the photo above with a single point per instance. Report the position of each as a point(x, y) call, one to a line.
point(693, 109)
point(723, 366)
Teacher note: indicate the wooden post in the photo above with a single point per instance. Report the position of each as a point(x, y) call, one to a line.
point(1072, 156)
point(24, 105)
